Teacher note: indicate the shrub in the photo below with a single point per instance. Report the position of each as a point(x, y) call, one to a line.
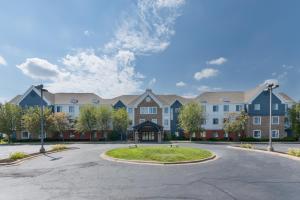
point(113, 136)
point(247, 146)
point(58, 147)
point(294, 152)
point(3, 141)
point(18, 155)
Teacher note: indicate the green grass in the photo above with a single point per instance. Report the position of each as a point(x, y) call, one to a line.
point(160, 153)
point(17, 155)
point(294, 152)
point(58, 147)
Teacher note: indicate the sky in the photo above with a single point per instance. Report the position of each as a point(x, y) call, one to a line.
point(182, 47)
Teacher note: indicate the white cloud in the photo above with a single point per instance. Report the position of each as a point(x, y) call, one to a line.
point(217, 61)
point(152, 82)
point(206, 73)
point(147, 29)
point(2, 61)
point(86, 33)
point(38, 68)
point(180, 84)
point(288, 66)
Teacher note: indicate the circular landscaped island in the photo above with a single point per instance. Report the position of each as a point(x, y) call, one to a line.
point(159, 154)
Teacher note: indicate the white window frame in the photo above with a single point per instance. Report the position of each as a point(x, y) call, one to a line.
point(71, 110)
point(148, 110)
point(239, 108)
point(254, 122)
point(166, 122)
point(226, 105)
point(257, 106)
point(277, 131)
point(277, 121)
point(129, 110)
point(28, 136)
point(275, 106)
point(253, 134)
point(60, 108)
point(166, 109)
point(217, 106)
point(214, 121)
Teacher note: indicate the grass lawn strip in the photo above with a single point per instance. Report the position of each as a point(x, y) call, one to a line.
point(160, 154)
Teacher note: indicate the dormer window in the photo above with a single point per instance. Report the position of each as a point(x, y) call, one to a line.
point(74, 101)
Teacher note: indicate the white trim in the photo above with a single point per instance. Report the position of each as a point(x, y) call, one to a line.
point(25, 137)
point(37, 92)
point(253, 120)
point(277, 133)
point(278, 120)
point(259, 134)
point(143, 96)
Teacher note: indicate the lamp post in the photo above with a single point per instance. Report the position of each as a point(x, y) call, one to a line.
point(40, 87)
point(271, 85)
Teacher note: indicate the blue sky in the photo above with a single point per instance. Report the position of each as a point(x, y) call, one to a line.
point(172, 46)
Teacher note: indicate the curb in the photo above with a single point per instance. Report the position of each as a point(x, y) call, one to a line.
point(267, 152)
point(140, 162)
point(17, 162)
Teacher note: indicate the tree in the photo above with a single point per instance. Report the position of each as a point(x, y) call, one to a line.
point(236, 123)
point(61, 122)
point(86, 121)
point(120, 120)
point(10, 119)
point(294, 115)
point(191, 117)
point(32, 120)
point(103, 119)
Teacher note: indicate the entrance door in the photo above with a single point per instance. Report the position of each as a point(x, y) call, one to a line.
point(148, 136)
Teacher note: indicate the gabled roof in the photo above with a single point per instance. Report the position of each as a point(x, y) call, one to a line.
point(78, 98)
point(16, 99)
point(221, 97)
point(286, 98)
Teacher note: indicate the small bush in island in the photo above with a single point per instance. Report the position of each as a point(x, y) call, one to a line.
point(18, 155)
point(247, 146)
point(294, 152)
point(58, 147)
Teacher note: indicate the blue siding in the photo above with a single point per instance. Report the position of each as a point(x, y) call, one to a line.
point(119, 105)
point(175, 123)
point(32, 99)
point(264, 100)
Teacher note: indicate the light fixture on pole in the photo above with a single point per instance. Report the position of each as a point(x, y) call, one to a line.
point(270, 86)
point(40, 87)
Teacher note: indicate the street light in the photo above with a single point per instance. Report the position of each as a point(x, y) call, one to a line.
point(40, 87)
point(271, 85)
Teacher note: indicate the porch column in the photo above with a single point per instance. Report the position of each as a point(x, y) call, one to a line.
point(159, 137)
point(136, 137)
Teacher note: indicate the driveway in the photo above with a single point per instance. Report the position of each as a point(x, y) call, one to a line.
point(82, 174)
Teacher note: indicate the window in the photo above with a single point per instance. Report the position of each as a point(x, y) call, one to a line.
point(257, 133)
point(257, 120)
point(203, 108)
point(166, 122)
point(203, 134)
point(275, 106)
point(226, 108)
point(71, 109)
point(215, 108)
point(166, 110)
point(154, 121)
point(215, 121)
point(58, 109)
point(238, 108)
point(177, 110)
point(148, 110)
point(275, 133)
point(25, 135)
point(256, 106)
point(142, 120)
point(275, 119)
point(215, 135)
point(203, 121)
point(129, 110)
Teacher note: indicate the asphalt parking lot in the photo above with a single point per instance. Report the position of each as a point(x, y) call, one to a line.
point(81, 174)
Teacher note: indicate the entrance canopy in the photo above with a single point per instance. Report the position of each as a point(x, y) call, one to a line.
point(148, 126)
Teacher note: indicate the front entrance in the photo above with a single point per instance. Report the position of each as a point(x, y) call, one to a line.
point(148, 132)
point(148, 136)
